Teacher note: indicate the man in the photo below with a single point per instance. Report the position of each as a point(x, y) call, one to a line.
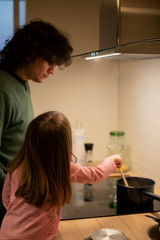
point(31, 54)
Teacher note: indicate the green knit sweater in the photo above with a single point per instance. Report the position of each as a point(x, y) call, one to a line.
point(16, 112)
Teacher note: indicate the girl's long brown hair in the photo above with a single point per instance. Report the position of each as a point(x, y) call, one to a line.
point(45, 158)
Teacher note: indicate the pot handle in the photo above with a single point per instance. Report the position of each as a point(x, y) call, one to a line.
point(151, 195)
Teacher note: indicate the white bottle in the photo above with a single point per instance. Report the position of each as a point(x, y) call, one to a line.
point(78, 142)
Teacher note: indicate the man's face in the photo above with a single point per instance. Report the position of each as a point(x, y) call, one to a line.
point(39, 70)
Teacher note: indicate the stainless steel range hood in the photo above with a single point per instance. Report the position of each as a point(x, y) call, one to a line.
point(129, 28)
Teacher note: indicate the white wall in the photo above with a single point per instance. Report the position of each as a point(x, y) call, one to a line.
point(139, 114)
point(86, 91)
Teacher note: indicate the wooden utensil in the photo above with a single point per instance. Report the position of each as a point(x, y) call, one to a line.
point(124, 179)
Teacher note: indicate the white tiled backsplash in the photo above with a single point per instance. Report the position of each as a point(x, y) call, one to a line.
point(139, 114)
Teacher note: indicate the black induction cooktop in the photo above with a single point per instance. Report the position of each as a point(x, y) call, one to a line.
point(99, 200)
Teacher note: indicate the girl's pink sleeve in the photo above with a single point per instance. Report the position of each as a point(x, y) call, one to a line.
point(6, 191)
point(80, 174)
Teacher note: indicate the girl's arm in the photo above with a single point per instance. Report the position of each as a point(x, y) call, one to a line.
point(80, 174)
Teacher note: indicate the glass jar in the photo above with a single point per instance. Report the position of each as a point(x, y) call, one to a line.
point(116, 145)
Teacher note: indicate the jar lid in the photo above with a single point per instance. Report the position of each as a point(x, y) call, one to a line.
point(117, 133)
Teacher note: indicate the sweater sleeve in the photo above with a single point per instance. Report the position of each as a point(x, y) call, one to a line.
point(6, 191)
point(80, 174)
point(4, 118)
point(5, 112)
point(2, 179)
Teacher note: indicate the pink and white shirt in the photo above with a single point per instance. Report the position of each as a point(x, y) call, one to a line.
point(27, 222)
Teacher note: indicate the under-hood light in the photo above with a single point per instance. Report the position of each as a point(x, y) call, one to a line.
point(95, 55)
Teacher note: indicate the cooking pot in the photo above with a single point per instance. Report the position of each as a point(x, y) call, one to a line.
point(139, 192)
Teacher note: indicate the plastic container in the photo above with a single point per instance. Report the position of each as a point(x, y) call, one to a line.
point(116, 145)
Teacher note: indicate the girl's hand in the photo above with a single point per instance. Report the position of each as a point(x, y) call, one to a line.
point(117, 160)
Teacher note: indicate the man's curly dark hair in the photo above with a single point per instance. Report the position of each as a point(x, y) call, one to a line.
point(37, 39)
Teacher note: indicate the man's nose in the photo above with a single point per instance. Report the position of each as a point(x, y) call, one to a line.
point(51, 69)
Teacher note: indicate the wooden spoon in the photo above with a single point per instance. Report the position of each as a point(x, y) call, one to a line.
point(124, 179)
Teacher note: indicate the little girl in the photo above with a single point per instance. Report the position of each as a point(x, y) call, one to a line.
point(39, 179)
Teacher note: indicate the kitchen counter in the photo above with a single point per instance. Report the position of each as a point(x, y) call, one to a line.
point(135, 227)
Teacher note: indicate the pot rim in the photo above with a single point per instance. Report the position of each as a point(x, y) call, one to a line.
point(152, 182)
